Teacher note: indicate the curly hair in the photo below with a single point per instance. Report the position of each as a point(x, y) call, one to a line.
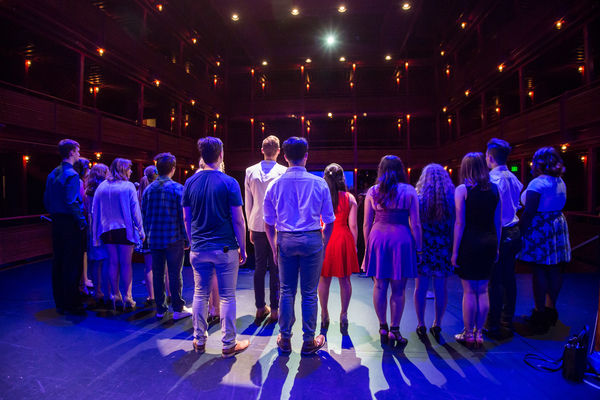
point(436, 194)
point(547, 161)
point(334, 176)
point(98, 174)
point(474, 171)
point(390, 173)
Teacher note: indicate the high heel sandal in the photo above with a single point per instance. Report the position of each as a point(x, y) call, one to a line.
point(324, 324)
point(478, 337)
point(383, 334)
point(344, 324)
point(396, 339)
point(465, 337)
point(421, 331)
point(130, 304)
point(117, 303)
point(435, 331)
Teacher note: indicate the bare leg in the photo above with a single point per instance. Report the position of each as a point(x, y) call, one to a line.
point(324, 284)
point(113, 271)
point(441, 298)
point(346, 294)
point(380, 299)
point(483, 303)
point(539, 283)
point(554, 284)
point(469, 304)
point(149, 281)
point(95, 266)
point(125, 253)
point(421, 286)
point(397, 300)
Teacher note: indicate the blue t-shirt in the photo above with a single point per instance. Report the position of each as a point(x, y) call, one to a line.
point(210, 195)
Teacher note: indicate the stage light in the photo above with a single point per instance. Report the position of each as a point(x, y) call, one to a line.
point(406, 6)
point(342, 9)
point(235, 17)
point(295, 11)
point(445, 109)
point(388, 57)
point(98, 155)
point(265, 62)
point(308, 60)
point(342, 58)
point(330, 40)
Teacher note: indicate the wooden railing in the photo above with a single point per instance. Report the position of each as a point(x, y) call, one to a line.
point(24, 238)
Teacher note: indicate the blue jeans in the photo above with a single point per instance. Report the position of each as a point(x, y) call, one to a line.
point(226, 266)
point(173, 257)
point(299, 254)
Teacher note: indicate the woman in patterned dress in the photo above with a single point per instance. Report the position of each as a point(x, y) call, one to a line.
point(436, 209)
point(545, 234)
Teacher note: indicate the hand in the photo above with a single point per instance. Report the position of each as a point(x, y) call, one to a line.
point(243, 256)
point(251, 238)
point(453, 260)
point(419, 258)
point(142, 237)
point(275, 257)
point(497, 255)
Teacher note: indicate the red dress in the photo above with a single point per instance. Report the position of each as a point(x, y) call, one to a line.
point(340, 258)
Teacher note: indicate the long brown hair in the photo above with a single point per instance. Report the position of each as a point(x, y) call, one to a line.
point(334, 176)
point(436, 194)
point(474, 171)
point(390, 174)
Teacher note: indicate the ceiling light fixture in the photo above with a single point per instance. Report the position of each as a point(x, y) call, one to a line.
point(235, 17)
point(330, 40)
point(406, 6)
point(308, 60)
point(295, 11)
point(342, 9)
point(264, 62)
point(342, 58)
point(388, 57)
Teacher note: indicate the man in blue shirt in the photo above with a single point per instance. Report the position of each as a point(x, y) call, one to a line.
point(214, 220)
point(63, 201)
point(163, 222)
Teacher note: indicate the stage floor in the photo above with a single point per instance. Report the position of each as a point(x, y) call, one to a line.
point(135, 356)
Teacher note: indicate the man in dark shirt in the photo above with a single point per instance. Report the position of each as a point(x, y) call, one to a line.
point(214, 220)
point(63, 201)
point(163, 223)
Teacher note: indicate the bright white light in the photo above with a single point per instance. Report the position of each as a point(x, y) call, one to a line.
point(330, 39)
point(406, 6)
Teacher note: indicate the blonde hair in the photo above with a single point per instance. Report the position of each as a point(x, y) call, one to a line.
point(119, 168)
point(270, 146)
point(436, 194)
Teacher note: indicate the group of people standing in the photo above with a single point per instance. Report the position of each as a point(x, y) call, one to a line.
point(305, 231)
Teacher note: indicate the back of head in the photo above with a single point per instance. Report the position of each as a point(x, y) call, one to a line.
point(270, 146)
point(295, 148)
point(65, 147)
point(165, 162)
point(547, 161)
point(98, 174)
point(150, 173)
point(334, 176)
point(474, 171)
point(210, 149)
point(499, 149)
point(436, 194)
point(119, 168)
point(82, 166)
point(390, 173)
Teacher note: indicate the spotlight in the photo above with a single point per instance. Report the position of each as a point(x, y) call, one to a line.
point(388, 57)
point(406, 6)
point(330, 40)
point(342, 9)
point(235, 17)
point(295, 11)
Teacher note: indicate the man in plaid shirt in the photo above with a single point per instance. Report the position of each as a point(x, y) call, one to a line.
point(163, 223)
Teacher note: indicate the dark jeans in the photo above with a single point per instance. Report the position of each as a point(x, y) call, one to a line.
point(263, 256)
point(502, 287)
point(173, 257)
point(68, 243)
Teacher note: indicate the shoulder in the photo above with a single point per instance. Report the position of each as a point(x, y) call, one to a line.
point(352, 199)
point(461, 190)
point(252, 168)
point(280, 168)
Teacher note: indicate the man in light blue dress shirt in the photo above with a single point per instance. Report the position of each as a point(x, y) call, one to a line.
point(294, 205)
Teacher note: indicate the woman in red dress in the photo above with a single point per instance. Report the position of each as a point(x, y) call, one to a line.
point(340, 257)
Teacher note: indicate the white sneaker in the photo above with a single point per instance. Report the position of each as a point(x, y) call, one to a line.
point(430, 295)
point(160, 315)
point(184, 313)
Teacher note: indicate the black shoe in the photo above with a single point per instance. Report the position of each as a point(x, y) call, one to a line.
point(551, 316)
point(538, 320)
point(493, 332)
point(421, 331)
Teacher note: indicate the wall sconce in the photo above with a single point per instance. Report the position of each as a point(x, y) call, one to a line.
point(467, 93)
point(500, 67)
point(159, 6)
point(26, 159)
point(463, 25)
point(581, 69)
point(559, 24)
point(445, 109)
point(193, 102)
point(98, 154)
point(563, 147)
point(100, 51)
point(330, 115)
point(27, 63)
point(156, 82)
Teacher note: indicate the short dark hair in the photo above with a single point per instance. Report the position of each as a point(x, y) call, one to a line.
point(499, 149)
point(295, 148)
point(165, 162)
point(547, 161)
point(210, 149)
point(66, 146)
point(270, 146)
point(82, 166)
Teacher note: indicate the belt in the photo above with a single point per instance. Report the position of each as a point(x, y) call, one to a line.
point(299, 232)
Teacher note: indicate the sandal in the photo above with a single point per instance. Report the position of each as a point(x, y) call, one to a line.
point(421, 331)
point(465, 337)
point(396, 339)
point(435, 331)
point(383, 333)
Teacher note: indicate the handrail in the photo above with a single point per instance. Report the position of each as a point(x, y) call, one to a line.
point(23, 217)
point(580, 214)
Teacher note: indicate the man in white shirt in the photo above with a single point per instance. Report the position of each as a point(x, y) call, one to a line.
point(257, 179)
point(503, 285)
point(294, 205)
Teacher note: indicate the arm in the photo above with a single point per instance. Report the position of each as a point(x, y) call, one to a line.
point(498, 224)
point(327, 230)
point(459, 223)
point(136, 214)
point(272, 236)
point(532, 202)
point(187, 221)
point(248, 202)
point(415, 223)
point(353, 219)
point(239, 228)
point(368, 220)
point(72, 199)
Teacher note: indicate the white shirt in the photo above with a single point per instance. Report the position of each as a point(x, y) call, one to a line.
point(552, 190)
point(510, 188)
point(257, 179)
point(298, 201)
